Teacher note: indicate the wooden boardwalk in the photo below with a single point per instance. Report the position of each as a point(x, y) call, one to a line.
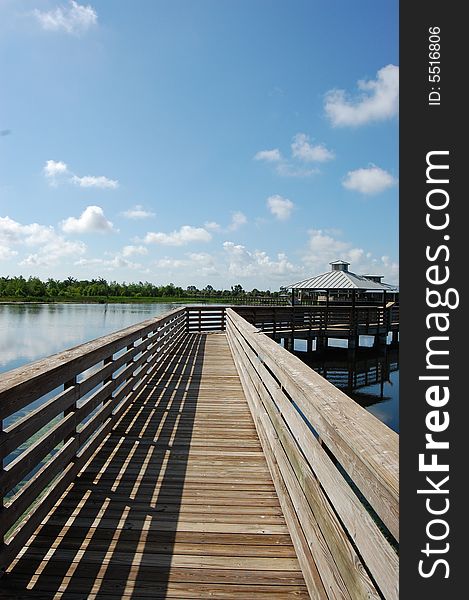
point(178, 501)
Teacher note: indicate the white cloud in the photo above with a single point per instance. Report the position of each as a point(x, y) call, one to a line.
point(245, 263)
point(133, 250)
point(280, 207)
point(378, 100)
point(303, 150)
point(268, 155)
point(95, 182)
point(212, 226)
point(58, 172)
point(109, 264)
point(195, 263)
point(74, 18)
point(6, 252)
point(49, 247)
point(237, 220)
point(322, 248)
point(137, 212)
point(371, 180)
point(91, 220)
point(203, 263)
point(170, 263)
point(185, 235)
point(55, 167)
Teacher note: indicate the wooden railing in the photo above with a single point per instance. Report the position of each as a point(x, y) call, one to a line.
point(205, 318)
point(331, 463)
point(321, 319)
point(334, 465)
point(57, 411)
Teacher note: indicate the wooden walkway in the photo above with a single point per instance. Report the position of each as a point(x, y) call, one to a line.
point(178, 501)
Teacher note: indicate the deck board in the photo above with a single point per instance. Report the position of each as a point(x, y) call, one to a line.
point(178, 502)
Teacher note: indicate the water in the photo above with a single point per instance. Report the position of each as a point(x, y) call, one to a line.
point(29, 332)
point(370, 376)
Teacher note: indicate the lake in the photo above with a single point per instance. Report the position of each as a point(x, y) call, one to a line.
point(370, 376)
point(29, 332)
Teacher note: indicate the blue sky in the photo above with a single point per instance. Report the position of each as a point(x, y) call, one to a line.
point(198, 141)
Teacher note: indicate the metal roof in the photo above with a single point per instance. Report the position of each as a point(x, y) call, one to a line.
point(336, 280)
point(339, 262)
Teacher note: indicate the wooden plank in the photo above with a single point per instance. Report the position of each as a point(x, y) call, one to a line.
point(21, 386)
point(369, 453)
point(114, 590)
point(302, 521)
point(245, 543)
point(150, 576)
point(23, 532)
point(23, 499)
point(155, 546)
point(379, 556)
point(20, 431)
point(180, 502)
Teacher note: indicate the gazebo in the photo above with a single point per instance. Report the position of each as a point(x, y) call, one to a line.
point(341, 286)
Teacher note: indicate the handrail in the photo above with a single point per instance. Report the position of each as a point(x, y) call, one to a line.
point(316, 441)
point(205, 317)
point(90, 386)
point(324, 320)
point(331, 461)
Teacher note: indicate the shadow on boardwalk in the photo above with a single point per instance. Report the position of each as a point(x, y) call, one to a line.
point(115, 528)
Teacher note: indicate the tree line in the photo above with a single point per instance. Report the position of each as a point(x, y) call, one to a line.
point(70, 288)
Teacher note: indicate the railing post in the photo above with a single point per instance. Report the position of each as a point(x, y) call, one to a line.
point(129, 347)
point(107, 361)
point(72, 408)
point(2, 509)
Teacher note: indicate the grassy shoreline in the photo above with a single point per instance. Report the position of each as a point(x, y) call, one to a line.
point(108, 300)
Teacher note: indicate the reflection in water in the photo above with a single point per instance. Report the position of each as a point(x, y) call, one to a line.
point(369, 376)
point(29, 332)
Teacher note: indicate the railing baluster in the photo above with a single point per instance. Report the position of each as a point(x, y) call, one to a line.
point(37, 463)
point(73, 407)
point(308, 428)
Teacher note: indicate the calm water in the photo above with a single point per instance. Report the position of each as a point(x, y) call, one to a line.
point(29, 332)
point(369, 376)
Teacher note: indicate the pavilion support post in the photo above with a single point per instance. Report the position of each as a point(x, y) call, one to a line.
point(381, 331)
point(321, 343)
point(309, 344)
point(353, 317)
point(380, 340)
point(326, 316)
point(395, 337)
point(386, 314)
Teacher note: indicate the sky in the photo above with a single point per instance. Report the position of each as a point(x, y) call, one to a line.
point(198, 142)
